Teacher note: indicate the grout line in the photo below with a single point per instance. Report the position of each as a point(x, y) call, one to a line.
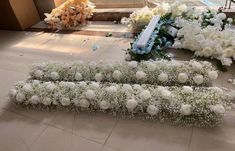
point(109, 134)
point(190, 139)
point(39, 136)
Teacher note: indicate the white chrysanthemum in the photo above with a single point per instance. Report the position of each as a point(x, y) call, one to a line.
point(27, 88)
point(187, 89)
point(82, 84)
point(117, 75)
point(197, 66)
point(78, 76)
point(166, 94)
point(99, 77)
point(46, 101)
point(20, 97)
point(137, 87)
point(213, 75)
point(198, 79)
point(151, 66)
point(54, 75)
point(218, 108)
point(34, 99)
point(152, 110)
point(111, 89)
point(132, 64)
point(182, 77)
point(84, 103)
point(144, 95)
point(94, 85)
point(186, 109)
point(38, 74)
point(217, 90)
point(104, 105)
point(140, 75)
point(12, 93)
point(50, 86)
point(35, 83)
point(127, 87)
point(131, 104)
point(163, 77)
point(90, 94)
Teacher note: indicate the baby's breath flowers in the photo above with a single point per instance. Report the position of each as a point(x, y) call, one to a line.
point(152, 72)
point(197, 106)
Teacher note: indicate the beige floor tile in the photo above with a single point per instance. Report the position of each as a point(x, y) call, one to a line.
point(54, 139)
point(105, 148)
point(96, 127)
point(63, 120)
point(217, 139)
point(18, 132)
point(137, 135)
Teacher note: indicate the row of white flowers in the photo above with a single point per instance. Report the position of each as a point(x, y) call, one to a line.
point(152, 72)
point(200, 106)
point(207, 42)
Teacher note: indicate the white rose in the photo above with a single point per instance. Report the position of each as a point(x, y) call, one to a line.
point(196, 66)
point(187, 89)
point(152, 110)
point(20, 97)
point(54, 76)
point(217, 90)
point(82, 84)
point(90, 94)
point(140, 75)
point(144, 95)
point(182, 77)
point(230, 20)
point(35, 83)
point(137, 87)
point(117, 75)
point(132, 64)
point(104, 105)
point(128, 57)
point(218, 108)
point(38, 74)
point(27, 88)
point(84, 103)
point(131, 104)
point(47, 101)
point(198, 79)
point(99, 77)
point(34, 99)
point(226, 61)
point(221, 16)
point(186, 109)
point(94, 85)
point(166, 94)
point(163, 77)
point(78, 76)
point(151, 66)
point(65, 101)
point(12, 93)
point(111, 89)
point(50, 86)
point(213, 75)
point(127, 87)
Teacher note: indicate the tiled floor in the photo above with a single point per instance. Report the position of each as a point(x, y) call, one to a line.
point(32, 130)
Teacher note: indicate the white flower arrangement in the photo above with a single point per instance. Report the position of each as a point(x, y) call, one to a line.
point(70, 14)
point(208, 41)
point(198, 106)
point(140, 18)
point(152, 72)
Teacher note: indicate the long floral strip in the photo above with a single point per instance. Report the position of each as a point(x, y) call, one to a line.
point(198, 106)
point(150, 72)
